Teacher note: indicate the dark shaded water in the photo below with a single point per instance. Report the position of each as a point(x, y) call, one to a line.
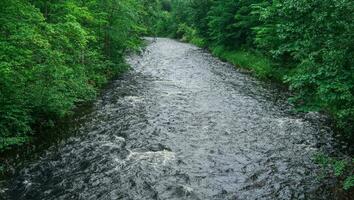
point(182, 125)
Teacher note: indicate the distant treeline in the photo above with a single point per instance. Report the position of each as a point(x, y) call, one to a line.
point(54, 55)
point(307, 44)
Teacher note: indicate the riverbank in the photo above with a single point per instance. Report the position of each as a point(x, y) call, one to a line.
point(256, 63)
point(16, 156)
point(182, 125)
point(259, 65)
point(316, 65)
point(43, 136)
point(56, 56)
point(338, 165)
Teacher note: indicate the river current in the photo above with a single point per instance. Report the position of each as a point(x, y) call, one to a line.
point(181, 124)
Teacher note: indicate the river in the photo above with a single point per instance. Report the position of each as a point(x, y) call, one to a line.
point(182, 124)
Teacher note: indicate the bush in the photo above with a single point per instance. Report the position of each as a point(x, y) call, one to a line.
point(261, 66)
point(55, 55)
point(340, 168)
point(189, 34)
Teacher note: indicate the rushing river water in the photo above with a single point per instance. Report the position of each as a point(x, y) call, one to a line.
point(182, 125)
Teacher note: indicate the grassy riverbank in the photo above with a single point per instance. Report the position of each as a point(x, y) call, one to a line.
point(258, 64)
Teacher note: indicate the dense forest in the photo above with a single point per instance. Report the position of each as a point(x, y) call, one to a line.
point(55, 55)
point(307, 45)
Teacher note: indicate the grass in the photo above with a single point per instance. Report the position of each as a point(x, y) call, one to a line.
point(198, 42)
point(258, 64)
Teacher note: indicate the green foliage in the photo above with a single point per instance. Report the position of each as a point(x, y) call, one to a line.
point(341, 168)
point(199, 15)
point(190, 35)
point(165, 25)
point(173, 14)
point(261, 66)
point(55, 54)
point(349, 182)
point(9, 142)
point(230, 22)
point(316, 38)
